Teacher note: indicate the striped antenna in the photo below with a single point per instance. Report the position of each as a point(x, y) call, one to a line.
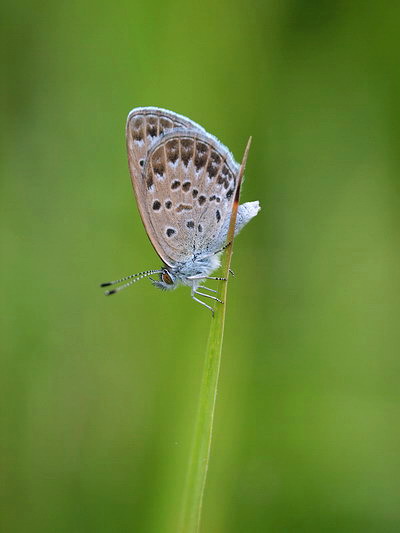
point(133, 279)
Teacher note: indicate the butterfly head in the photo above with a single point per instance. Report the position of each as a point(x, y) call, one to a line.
point(167, 281)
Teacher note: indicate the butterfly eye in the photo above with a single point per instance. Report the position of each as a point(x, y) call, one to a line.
point(167, 278)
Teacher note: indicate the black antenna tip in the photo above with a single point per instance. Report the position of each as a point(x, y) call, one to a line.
point(107, 293)
point(106, 284)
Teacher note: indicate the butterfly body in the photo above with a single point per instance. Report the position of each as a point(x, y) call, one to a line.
point(189, 273)
point(184, 182)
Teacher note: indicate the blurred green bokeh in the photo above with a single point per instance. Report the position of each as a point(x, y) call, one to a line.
point(98, 395)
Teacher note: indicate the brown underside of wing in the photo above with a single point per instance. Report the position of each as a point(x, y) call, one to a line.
point(186, 193)
point(144, 128)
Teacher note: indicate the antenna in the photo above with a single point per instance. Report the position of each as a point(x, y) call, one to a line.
point(133, 279)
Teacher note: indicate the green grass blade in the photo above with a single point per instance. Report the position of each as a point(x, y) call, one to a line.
point(200, 453)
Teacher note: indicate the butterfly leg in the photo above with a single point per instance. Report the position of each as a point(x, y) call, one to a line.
point(202, 303)
point(208, 296)
point(206, 277)
point(206, 288)
point(222, 249)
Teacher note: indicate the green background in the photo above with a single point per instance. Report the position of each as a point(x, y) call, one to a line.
point(98, 395)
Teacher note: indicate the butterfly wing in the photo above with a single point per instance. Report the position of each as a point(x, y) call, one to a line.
point(144, 128)
point(185, 193)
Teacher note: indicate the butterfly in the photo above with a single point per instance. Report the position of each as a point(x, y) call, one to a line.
point(184, 180)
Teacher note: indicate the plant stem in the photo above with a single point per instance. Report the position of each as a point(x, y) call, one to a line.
point(200, 453)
